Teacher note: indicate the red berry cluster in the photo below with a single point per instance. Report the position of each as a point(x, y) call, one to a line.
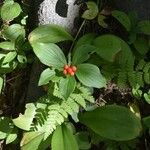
point(69, 70)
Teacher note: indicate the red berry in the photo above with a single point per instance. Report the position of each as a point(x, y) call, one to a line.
point(69, 70)
point(66, 67)
point(72, 73)
point(65, 72)
point(74, 68)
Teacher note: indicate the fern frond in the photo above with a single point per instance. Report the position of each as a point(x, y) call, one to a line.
point(140, 65)
point(146, 67)
point(132, 78)
point(139, 78)
point(122, 79)
point(146, 77)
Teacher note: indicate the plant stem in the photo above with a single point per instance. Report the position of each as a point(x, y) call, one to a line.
point(77, 36)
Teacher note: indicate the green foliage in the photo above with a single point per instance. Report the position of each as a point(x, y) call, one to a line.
point(122, 18)
point(90, 75)
point(46, 76)
point(113, 122)
point(144, 27)
point(50, 54)
point(63, 139)
point(49, 34)
point(91, 12)
point(10, 10)
point(107, 46)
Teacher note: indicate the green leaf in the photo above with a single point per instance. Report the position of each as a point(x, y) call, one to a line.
point(113, 122)
point(107, 46)
point(46, 76)
point(147, 97)
point(5, 127)
point(49, 34)
point(63, 139)
point(31, 140)
point(10, 57)
point(83, 140)
point(82, 53)
point(146, 121)
point(13, 32)
point(67, 86)
point(144, 27)
point(87, 39)
point(90, 75)
point(141, 45)
point(50, 54)
point(1, 84)
point(7, 45)
point(92, 11)
point(10, 10)
point(11, 137)
point(122, 18)
point(22, 58)
point(24, 121)
point(101, 21)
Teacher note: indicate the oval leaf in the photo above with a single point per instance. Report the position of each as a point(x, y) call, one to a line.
point(50, 54)
point(67, 86)
point(90, 75)
point(113, 122)
point(10, 10)
point(31, 140)
point(122, 18)
point(144, 27)
point(82, 53)
point(92, 11)
point(107, 46)
point(7, 45)
point(49, 34)
point(13, 32)
point(24, 121)
point(9, 57)
point(46, 76)
point(63, 139)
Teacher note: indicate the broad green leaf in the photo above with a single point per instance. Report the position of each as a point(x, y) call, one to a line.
point(10, 10)
point(22, 58)
point(24, 121)
point(146, 121)
point(147, 97)
point(45, 144)
point(125, 57)
point(101, 21)
point(141, 45)
point(7, 45)
point(11, 137)
point(83, 140)
point(10, 57)
point(13, 32)
point(63, 139)
point(90, 75)
point(113, 122)
point(144, 27)
point(107, 47)
point(87, 39)
point(91, 12)
point(1, 84)
point(122, 18)
point(82, 53)
point(5, 127)
point(31, 140)
point(50, 54)
point(49, 34)
point(67, 86)
point(46, 76)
